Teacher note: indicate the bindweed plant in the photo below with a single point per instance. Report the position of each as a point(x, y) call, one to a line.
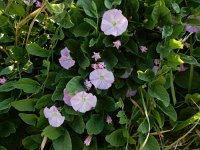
point(99, 74)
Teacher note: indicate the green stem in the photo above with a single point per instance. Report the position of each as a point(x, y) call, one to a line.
point(147, 117)
point(190, 78)
point(172, 87)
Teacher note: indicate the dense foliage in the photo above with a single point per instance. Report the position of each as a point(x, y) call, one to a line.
point(69, 81)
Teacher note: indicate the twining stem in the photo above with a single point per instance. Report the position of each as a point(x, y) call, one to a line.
point(25, 20)
point(191, 69)
point(32, 23)
point(172, 87)
point(190, 78)
point(182, 137)
point(147, 117)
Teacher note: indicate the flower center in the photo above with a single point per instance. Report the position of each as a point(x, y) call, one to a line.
point(83, 99)
point(101, 77)
point(114, 23)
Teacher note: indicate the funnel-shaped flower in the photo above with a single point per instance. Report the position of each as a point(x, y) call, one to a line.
point(54, 117)
point(66, 60)
point(83, 101)
point(3, 80)
point(113, 22)
point(101, 78)
point(66, 97)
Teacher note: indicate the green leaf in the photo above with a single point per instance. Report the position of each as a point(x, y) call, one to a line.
point(66, 22)
point(24, 105)
point(152, 143)
point(163, 50)
point(106, 103)
point(69, 110)
point(82, 30)
point(58, 93)
point(158, 91)
point(75, 85)
point(191, 120)
point(3, 21)
point(161, 14)
point(63, 142)
point(169, 111)
point(132, 47)
point(95, 125)
point(45, 100)
point(7, 128)
point(8, 86)
point(109, 59)
point(6, 104)
point(148, 75)
point(167, 31)
point(36, 50)
point(2, 148)
point(55, 8)
point(189, 60)
point(174, 60)
point(78, 124)
point(7, 70)
point(32, 142)
point(174, 44)
point(91, 22)
point(143, 127)
point(17, 9)
point(83, 60)
point(176, 7)
point(89, 7)
point(18, 53)
point(182, 79)
point(159, 118)
point(30, 119)
point(116, 138)
point(52, 133)
point(110, 3)
point(122, 117)
point(28, 85)
point(196, 52)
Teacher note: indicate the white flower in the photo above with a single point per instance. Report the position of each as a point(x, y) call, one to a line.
point(113, 22)
point(101, 78)
point(54, 117)
point(83, 101)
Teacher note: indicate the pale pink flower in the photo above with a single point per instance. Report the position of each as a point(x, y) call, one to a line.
point(113, 22)
point(88, 84)
point(143, 49)
point(157, 62)
point(66, 60)
point(117, 44)
point(126, 74)
point(94, 66)
point(131, 93)
point(3, 80)
point(66, 97)
point(108, 119)
point(54, 117)
point(155, 69)
point(182, 68)
point(38, 4)
point(101, 78)
point(193, 28)
point(96, 56)
point(83, 101)
point(88, 140)
point(101, 65)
